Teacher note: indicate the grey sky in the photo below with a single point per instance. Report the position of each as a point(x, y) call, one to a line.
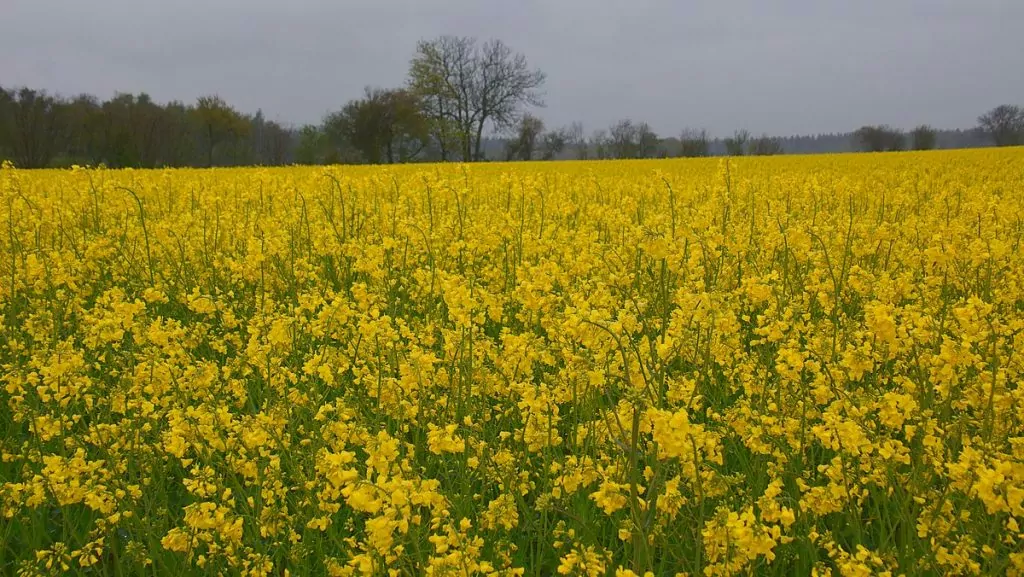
point(782, 67)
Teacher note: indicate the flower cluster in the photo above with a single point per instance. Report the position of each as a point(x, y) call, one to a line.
point(790, 365)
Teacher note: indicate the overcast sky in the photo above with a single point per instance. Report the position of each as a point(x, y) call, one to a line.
point(781, 67)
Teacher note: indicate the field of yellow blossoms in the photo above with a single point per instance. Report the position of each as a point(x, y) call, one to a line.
point(791, 365)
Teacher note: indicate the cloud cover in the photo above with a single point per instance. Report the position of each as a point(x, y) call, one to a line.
point(782, 67)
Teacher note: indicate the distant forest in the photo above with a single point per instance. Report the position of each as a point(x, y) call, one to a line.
point(463, 101)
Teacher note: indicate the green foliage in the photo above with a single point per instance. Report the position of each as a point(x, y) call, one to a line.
point(923, 138)
point(765, 145)
point(527, 139)
point(880, 138)
point(465, 87)
point(33, 125)
point(694, 143)
point(553, 143)
point(736, 145)
point(218, 123)
point(311, 148)
point(39, 130)
point(383, 126)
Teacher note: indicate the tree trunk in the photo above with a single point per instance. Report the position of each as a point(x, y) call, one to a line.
point(478, 154)
point(209, 152)
point(467, 144)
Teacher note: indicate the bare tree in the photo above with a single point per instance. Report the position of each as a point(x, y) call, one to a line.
point(628, 139)
point(624, 137)
point(601, 144)
point(923, 138)
point(1004, 125)
point(553, 143)
point(466, 86)
point(765, 145)
point(647, 141)
point(526, 140)
point(506, 85)
point(694, 143)
point(439, 73)
point(574, 138)
point(736, 145)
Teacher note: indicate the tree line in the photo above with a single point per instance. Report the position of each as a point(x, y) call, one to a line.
point(1002, 126)
point(38, 129)
point(463, 100)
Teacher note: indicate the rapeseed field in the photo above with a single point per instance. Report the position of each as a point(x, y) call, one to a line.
point(788, 365)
